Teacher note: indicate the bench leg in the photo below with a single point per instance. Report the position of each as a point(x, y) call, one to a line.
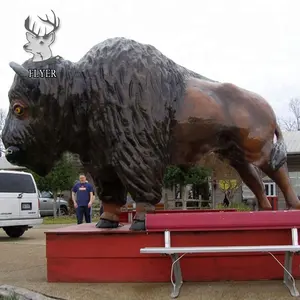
point(176, 271)
point(288, 279)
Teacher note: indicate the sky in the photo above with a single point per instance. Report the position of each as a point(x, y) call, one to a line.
point(254, 44)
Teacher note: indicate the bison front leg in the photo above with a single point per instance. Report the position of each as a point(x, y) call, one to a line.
point(145, 203)
point(113, 197)
point(142, 208)
point(143, 176)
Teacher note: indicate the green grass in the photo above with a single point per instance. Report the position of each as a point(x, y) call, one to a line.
point(64, 220)
point(235, 205)
point(12, 297)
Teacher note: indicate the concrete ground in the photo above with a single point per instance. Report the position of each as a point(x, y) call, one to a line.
point(23, 264)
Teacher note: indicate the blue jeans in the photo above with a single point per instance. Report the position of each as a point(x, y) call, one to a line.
point(83, 211)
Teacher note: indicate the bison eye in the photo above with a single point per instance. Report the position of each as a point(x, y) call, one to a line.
point(18, 110)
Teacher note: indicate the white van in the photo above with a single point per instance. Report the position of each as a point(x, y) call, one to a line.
point(19, 202)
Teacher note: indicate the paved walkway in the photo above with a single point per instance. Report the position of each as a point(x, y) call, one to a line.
point(23, 264)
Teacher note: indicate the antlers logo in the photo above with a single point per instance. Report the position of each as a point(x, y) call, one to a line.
point(39, 45)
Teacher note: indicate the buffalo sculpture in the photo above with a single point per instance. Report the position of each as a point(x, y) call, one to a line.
point(129, 111)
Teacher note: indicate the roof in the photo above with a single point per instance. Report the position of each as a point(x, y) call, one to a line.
point(5, 165)
point(292, 141)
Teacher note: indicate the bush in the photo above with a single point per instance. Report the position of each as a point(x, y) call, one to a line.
point(194, 175)
point(235, 205)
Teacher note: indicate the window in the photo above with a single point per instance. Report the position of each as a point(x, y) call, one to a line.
point(267, 189)
point(177, 191)
point(46, 195)
point(270, 189)
point(16, 183)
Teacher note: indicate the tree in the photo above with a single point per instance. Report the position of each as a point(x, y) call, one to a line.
point(230, 186)
point(228, 179)
point(294, 106)
point(293, 123)
point(61, 178)
point(2, 121)
point(194, 175)
point(194, 181)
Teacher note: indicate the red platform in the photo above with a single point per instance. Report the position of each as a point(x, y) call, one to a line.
point(83, 253)
point(127, 216)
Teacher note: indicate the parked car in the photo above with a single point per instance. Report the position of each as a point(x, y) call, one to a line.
point(47, 204)
point(19, 203)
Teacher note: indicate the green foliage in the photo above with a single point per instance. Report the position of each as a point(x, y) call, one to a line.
point(196, 175)
point(61, 177)
point(176, 175)
point(173, 175)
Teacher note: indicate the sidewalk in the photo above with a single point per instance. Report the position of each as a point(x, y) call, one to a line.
point(23, 264)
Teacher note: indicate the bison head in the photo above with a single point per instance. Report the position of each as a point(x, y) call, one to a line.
point(32, 133)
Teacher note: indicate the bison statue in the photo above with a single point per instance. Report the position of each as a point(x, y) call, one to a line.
point(129, 111)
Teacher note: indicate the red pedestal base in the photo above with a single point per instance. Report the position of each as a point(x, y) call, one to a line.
point(83, 253)
point(127, 216)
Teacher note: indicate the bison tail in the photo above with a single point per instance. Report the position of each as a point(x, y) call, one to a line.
point(278, 156)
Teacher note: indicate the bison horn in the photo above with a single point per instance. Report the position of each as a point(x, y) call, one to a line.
point(24, 74)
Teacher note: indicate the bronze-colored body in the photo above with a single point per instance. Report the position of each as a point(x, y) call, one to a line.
point(239, 126)
point(129, 111)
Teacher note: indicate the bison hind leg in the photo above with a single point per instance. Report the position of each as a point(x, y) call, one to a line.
point(251, 178)
point(278, 155)
point(281, 178)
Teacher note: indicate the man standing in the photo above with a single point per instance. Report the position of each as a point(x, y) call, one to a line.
point(82, 196)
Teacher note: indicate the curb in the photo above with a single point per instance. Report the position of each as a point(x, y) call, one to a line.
point(23, 294)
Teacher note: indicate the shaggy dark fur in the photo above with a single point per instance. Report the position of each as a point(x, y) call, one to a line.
point(129, 111)
point(115, 107)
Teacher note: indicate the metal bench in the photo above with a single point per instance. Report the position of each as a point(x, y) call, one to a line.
point(176, 253)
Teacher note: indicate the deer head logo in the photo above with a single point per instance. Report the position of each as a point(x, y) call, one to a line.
point(39, 45)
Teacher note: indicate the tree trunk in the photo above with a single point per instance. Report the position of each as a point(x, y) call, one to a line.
point(59, 212)
point(71, 204)
point(54, 204)
point(213, 190)
point(185, 197)
point(165, 197)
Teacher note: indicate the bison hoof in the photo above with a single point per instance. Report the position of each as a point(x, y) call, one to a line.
point(103, 223)
point(138, 225)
